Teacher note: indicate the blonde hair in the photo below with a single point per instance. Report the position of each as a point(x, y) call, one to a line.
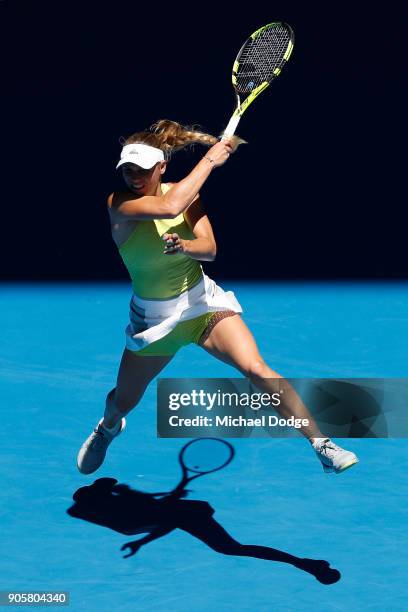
point(170, 136)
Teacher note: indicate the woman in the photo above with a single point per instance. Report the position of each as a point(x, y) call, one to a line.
point(162, 232)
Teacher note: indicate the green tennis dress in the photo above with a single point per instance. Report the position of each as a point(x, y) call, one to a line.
point(163, 285)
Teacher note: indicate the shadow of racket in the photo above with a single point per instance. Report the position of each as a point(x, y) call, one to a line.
point(199, 457)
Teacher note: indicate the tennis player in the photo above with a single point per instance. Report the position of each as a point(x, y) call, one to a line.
point(162, 233)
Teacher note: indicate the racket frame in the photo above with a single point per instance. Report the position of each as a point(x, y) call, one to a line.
point(241, 107)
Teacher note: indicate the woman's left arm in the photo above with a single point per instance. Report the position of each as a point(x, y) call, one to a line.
point(203, 247)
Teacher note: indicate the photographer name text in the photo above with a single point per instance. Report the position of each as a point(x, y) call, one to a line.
point(239, 421)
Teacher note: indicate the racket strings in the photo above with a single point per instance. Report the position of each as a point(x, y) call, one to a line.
point(261, 57)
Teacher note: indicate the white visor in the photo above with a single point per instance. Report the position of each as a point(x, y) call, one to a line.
point(143, 155)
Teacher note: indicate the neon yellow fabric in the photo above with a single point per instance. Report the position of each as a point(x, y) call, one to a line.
point(184, 333)
point(155, 275)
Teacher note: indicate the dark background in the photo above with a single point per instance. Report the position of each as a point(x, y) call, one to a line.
point(317, 192)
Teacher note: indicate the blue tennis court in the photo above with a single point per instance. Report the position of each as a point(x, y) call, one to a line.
point(60, 352)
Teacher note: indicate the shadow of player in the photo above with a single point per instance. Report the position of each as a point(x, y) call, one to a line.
point(131, 512)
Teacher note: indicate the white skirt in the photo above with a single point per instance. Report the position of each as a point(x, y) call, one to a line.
point(151, 320)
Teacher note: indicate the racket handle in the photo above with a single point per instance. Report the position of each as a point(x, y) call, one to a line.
point(231, 127)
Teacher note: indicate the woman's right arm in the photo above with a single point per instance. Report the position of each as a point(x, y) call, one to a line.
point(179, 197)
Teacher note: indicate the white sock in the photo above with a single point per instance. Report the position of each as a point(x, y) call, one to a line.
point(114, 430)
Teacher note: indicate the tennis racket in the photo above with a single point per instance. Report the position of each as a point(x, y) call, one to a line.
point(259, 61)
point(203, 456)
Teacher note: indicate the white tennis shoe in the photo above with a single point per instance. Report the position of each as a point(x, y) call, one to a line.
point(93, 451)
point(333, 457)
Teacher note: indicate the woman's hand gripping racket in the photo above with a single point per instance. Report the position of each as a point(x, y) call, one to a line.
point(202, 456)
point(259, 61)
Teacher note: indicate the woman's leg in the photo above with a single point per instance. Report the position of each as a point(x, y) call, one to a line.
point(232, 342)
point(135, 374)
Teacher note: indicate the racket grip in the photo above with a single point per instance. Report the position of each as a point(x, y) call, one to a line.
point(231, 127)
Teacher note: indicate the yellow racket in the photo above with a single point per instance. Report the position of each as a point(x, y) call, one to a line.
point(259, 61)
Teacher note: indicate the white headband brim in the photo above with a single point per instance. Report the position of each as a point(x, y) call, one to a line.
point(142, 155)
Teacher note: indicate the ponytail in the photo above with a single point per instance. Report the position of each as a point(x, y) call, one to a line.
point(170, 136)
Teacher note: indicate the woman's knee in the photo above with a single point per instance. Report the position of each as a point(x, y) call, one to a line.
point(134, 376)
point(256, 367)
